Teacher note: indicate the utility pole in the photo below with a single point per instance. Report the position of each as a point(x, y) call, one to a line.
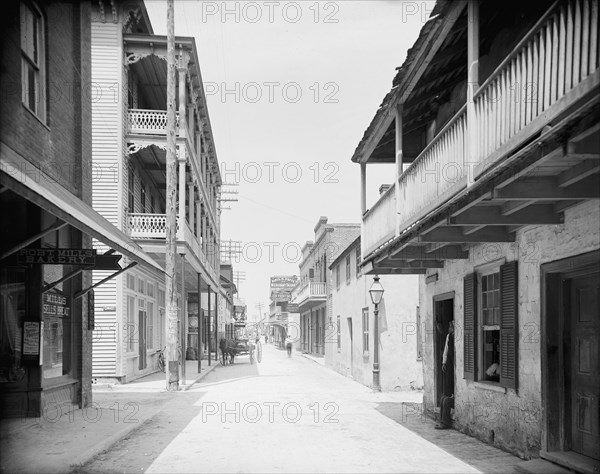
point(172, 372)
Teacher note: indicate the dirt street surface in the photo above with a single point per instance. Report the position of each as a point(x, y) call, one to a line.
point(282, 415)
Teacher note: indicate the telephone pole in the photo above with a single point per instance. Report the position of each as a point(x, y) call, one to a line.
point(172, 357)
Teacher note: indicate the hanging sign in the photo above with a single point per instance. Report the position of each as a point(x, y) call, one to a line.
point(57, 256)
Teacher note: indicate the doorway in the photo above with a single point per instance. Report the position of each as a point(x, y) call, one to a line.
point(570, 359)
point(142, 339)
point(443, 313)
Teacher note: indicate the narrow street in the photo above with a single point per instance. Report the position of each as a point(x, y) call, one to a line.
point(283, 415)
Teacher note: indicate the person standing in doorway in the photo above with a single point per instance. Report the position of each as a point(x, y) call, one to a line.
point(447, 401)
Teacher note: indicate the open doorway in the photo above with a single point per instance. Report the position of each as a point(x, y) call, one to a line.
point(443, 313)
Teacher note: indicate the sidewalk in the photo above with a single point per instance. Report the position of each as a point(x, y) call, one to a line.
point(66, 436)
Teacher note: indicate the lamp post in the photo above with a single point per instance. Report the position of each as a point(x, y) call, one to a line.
point(376, 293)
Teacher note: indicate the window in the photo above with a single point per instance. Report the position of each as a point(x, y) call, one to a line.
point(141, 286)
point(131, 282)
point(33, 60)
point(143, 196)
point(130, 185)
point(348, 269)
point(339, 333)
point(357, 261)
point(365, 327)
point(150, 290)
point(153, 204)
point(491, 325)
point(130, 328)
point(337, 277)
point(311, 273)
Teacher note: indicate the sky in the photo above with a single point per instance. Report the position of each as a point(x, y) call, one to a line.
point(291, 87)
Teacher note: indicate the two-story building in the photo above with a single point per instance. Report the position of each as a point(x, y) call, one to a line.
point(349, 334)
point(129, 139)
point(492, 126)
point(312, 295)
point(283, 317)
point(46, 218)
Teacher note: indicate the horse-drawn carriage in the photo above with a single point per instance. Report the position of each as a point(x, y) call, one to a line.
point(230, 348)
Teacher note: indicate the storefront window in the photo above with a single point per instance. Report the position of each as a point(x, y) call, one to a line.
point(13, 311)
point(56, 314)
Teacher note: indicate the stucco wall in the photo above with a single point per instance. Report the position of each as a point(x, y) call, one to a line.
point(399, 367)
point(511, 420)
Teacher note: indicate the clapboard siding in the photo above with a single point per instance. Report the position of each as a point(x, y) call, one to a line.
point(107, 155)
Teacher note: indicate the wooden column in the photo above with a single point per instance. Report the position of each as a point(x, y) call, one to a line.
point(182, 70)
point(198, 220)
point(363, 188)
point(191, 203)
point(472, 85)
point(399, 164)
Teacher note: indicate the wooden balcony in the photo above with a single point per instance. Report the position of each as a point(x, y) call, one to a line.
point(546, 77)
point(150, 231)
point(148, 122)
point(309, 294)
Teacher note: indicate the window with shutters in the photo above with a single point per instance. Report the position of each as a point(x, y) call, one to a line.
point(365, 328)
point(491, 325)
point(348, 271)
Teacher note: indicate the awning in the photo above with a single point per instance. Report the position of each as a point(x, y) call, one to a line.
point(37, 186)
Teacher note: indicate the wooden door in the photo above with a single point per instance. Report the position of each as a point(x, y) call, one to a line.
point(142, 339)
point(585, 377)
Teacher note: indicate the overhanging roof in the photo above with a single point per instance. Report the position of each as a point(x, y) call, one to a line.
point(31, 182)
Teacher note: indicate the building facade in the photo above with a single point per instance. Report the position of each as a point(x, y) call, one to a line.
point(47, 312)
point(349, 333)
point(492, 128)
point(129, 117)
point(312, 295)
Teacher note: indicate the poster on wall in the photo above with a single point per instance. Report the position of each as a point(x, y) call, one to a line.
point(31, 340)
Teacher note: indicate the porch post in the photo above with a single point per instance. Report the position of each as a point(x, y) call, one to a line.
point(198, 220)
point(363, 188)
point(217, 323)
point(183, 319)
point(182, 70)
point(472, 87)
point(199, 343)
point(191, 201)
point(208, 328)
point(399, 165)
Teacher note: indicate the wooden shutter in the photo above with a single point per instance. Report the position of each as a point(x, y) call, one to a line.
point(509, 324)
point(470, 326)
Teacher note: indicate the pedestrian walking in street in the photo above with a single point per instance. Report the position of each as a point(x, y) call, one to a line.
point(288, 345)
point(447, 401)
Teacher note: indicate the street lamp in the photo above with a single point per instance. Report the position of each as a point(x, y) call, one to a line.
point(376, 292)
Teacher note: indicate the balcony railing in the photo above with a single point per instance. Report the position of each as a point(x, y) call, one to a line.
point(309, 290)
point(384, 210)
point(148, 226)
point(556, 56)
point(554, 65)
point(149, 122)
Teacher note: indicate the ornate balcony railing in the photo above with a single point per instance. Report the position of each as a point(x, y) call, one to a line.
point(148, 122)
point(148, 226)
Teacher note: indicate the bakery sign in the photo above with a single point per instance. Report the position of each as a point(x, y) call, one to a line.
point(55, 304)
point(57, 256)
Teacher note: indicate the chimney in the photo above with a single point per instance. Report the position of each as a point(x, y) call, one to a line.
point(383, 188)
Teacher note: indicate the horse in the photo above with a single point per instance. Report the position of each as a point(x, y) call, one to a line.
point(227, 347)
